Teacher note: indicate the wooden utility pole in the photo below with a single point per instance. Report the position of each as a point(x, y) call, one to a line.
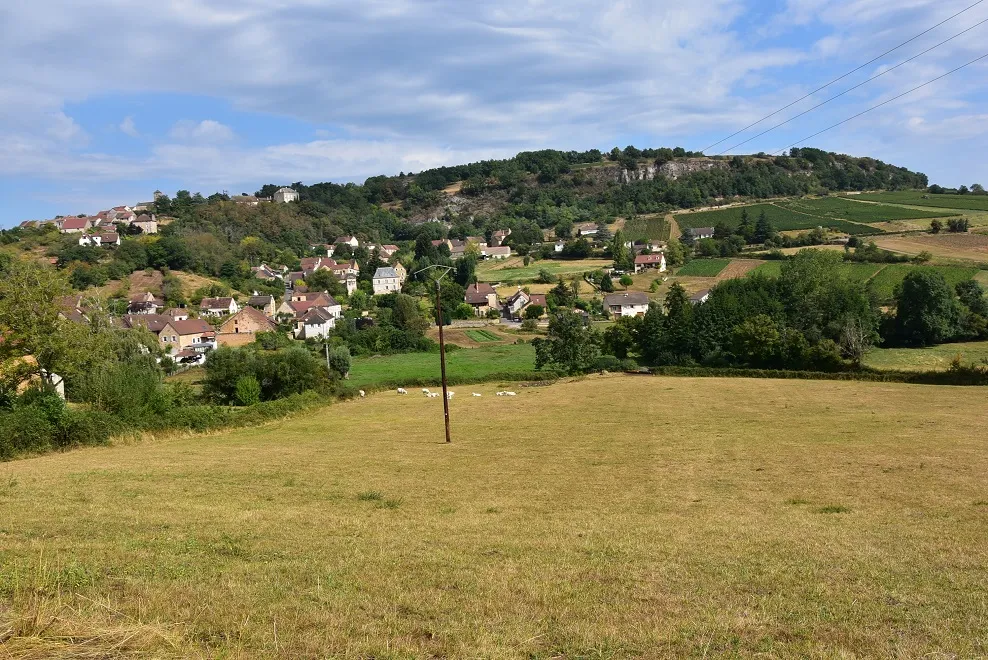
point(442, 358)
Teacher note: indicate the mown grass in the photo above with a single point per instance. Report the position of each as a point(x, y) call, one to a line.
point(483, 336)
point(464, 364)
point(568, 533)
point(933, 358)
point(916, 198)
point(703, 268)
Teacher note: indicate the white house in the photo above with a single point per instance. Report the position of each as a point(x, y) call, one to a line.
point(386, 280)
point(700, 297)
point(285, 195)
point(560, 246)
point(698, 233)
point(588, 229)
point(650, 262)
point(348, 240)
point(218, 306)
point(501, 252)
point(314, 324)
point(627, 303)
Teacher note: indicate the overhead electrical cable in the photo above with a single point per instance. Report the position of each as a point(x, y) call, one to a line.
point(875, 107)
point(851, 89)
point(838, 79)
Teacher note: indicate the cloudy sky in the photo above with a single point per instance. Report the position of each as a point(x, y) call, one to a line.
point(103, 101)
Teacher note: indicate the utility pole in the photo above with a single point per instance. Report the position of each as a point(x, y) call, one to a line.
point(442, 358)
point(442, 342)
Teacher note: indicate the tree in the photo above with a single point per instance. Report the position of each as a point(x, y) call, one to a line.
point(679, 334)
point(746, 229)
point(623, 257)
point(619, 339)
point(534, 312)
point(763, 228)
point(626, 280)
point(339, 361)
point(324, 280)
point(958, 225)
point(972, 296)
point(756, 341)
point(606, 285)
point(936, 226)
point(248, 390)
point(37, 338)
point(977, 189)
point(569, 345)
point(926, 310)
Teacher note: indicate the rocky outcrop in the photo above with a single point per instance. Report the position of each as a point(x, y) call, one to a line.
point(671, 170)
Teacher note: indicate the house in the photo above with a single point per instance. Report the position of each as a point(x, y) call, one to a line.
point(351, 283)
point(248, 321)
point(588, 229)
point(218, 306)
point(539, 299)
point(700, 297)
point(457, 248)
point(499, 237)
point(154, 323)
point(698, 233)
point(176, 314)
point(482, 297)
point(502, 252)
point(145, 303)
point(148, 224)
point(388, 251)
point(560, 246)
point(386, 281)
point(626, 304)
point(402, 273)
point(285, 195)
point(109, 239)
point(517, 302)
point(314, 324)
point(645, 262)
point(312, 264)
point(320, 299)
point(323, 247)
point(265, 304)
point(443, 241)
point(90, 240)
point(265, 273)
point(347, 240)
point(74, 225)
point(248, 200)
point(190, 333)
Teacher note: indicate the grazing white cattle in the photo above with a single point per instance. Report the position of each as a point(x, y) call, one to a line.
point(475, 394)
point(433, 395)
point(509, 394)
point(402, 390)
point(362, 394)
point(449, 395)
point(425, 390)
point(500, 393)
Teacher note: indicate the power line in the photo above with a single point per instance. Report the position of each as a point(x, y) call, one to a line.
point(875, 107)
point(851, 89)
point(852, 71)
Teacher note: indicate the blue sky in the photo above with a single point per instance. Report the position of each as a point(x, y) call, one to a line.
point(102, 102)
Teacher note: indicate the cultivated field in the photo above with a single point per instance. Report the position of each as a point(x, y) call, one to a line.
point(646, 228)
point(515, 270)
point(918, 198)
point(844, 209)
point(709, 528)
point(970, 247)
point(703, 268)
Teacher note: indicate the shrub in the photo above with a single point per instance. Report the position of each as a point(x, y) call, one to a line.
point(87, 428)
point(248, 390)
point(25, 429)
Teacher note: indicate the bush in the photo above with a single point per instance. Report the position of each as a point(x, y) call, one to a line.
point(248, 390)
point(87, 428)
point(25, 429)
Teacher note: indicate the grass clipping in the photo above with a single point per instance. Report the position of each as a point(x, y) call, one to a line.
point(44, 621)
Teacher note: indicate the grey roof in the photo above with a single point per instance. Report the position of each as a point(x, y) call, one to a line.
point(700, 231)
point(387, 271)
point(630, 298)
point(285, 190)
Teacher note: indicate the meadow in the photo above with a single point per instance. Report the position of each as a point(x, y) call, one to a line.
point(464, 364)
point(703, 268)
point(932, 358)
point(355, 532)
point(920, 198)
point(514, 270)
point(782, 219)
point(843, 209)
point(646, 228)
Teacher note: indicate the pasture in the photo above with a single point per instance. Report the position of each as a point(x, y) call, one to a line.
point(703, 268)
point(354, 532)
point(968, 247)
point(514, 269)
point(932, 358)
point(467, 364)
point(781, 217)
point(920, 198)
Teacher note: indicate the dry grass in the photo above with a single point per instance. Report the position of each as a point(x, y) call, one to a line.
point(972, 247)
point(611, 517)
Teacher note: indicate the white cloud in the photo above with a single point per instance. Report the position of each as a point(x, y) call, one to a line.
point(127, 127)
point(207, 130)
point(64, 129)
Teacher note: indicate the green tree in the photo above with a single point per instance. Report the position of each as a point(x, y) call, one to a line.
point(756, 341)
point(926, 310)
point(746, 229)
point(248, 390)
point(569, 345)
point(623, 257)
point(619, 339)
point(340, 361)
point(626, 280)
point(534, 311)
point(936, 226)
point(325, 280)
point(763, 228)
point(606, 285)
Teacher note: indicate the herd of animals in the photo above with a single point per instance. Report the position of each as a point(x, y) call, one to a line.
point(436, 395)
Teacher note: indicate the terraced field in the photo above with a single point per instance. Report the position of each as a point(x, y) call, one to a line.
point(782, 219)
point(918, 198)
point(840, 208)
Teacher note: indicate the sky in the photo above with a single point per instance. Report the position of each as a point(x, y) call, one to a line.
point(103, 102)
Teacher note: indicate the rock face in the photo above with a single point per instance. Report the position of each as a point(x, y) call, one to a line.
point(671, 170)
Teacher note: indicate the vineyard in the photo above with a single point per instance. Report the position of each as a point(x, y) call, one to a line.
point(843, 209)
point(647, 228)
point(919, 198)
point(782, 219)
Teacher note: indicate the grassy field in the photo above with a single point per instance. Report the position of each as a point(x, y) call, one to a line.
point(844, 209)
point(647, 228)
point(353, 532)
point(946, 246)
point(934, 358)
point(888, 278)
point(782, 219)
point(515, 270)
point(468, 363)
point(703, 268)
point(916, 198)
